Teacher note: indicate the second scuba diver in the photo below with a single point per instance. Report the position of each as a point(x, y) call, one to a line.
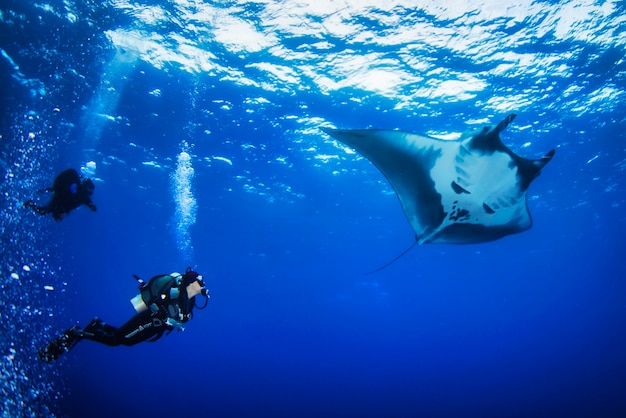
point(69, 191)
point(164, 303)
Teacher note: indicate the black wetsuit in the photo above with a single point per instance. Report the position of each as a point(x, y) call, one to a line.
point(164, 306)
point(150, 324)
point(69, 192)
point(142, 327)
point(168, 307)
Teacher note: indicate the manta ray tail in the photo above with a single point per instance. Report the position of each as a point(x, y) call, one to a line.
point(387, 264)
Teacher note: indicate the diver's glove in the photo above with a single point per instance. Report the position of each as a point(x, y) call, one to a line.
point(175, 324)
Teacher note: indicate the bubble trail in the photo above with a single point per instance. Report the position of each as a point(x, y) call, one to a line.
point(186, 206)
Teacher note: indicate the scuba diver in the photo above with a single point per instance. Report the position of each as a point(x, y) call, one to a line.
point(163, 304)
point(69, 191)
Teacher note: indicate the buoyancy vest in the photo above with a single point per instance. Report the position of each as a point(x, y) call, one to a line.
point(163, 296)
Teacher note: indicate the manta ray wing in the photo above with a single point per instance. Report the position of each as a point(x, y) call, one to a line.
point(459, 192)
point(406, 160)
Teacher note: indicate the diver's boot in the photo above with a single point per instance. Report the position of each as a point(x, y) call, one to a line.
point(94, 326)
point(62, 344)
point(100, 332)
point(39, 210)
point(30, 205)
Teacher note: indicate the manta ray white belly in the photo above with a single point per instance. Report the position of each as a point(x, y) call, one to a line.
point(459, 192)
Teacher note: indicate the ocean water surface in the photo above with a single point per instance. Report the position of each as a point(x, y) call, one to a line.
point(200, 124)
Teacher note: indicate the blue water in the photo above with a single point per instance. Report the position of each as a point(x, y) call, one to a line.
point(200, 123)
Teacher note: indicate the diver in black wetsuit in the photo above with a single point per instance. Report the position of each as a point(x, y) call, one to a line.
point(164, 303)
point(70, 191)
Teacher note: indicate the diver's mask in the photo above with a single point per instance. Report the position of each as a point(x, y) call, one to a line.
point(190, 274)
point(203, 290)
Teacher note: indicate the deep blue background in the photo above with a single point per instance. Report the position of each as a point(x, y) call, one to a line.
point(530, 325)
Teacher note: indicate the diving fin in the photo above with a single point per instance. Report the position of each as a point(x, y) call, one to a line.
point(62, 344)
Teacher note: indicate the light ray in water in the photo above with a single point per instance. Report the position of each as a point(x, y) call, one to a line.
point(104, 102)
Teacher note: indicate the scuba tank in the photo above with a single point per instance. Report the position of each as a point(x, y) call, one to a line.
point(139, 304)
point(163, 287)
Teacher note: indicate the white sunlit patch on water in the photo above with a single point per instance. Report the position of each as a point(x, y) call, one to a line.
point(160, 51)
point(325, 158)
point(414, 55)
point(238, 35)
point(185, 202)
point(224, 159)
point(89, 169)
point(151, 164)
point(595, 157)
point(602, 98)
point(459, 90)
point(277, 75)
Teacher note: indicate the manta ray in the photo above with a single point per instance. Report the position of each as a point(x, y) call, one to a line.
point(463, 191)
